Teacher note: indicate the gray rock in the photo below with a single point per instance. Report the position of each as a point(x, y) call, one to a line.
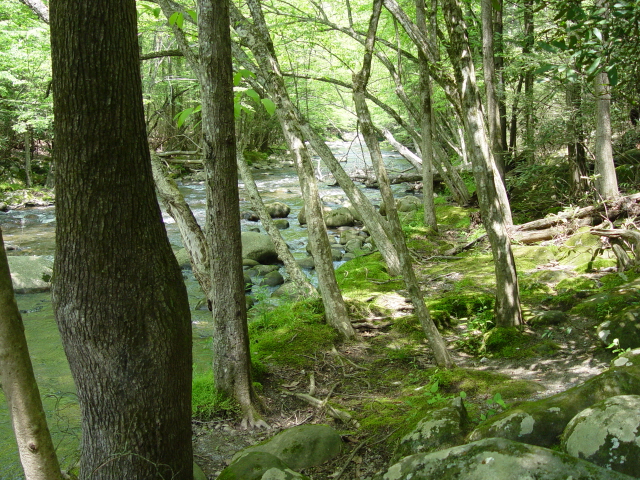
point(272, 279)
point(354, 245)
point(541, 422)
point(300, 447)
point(439, 429)
point(497, 459)
point(340, 217)
point(307, 263)
point(249, 216)
point(336, 254)
point(278, 210)
point(607, 434)
point(346, 235)
point(287, 290)
point(263, 269)
point(30, 274)
point(408, 204)
point(549, 317)
point(627, 359)
point(625, 326)
point(247, 262)
point(258, 247)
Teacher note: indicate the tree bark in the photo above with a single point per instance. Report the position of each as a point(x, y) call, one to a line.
point(426, 123)
point(507, 308)
point(230, 335)
point(118, 294)
point(360, 81)
point(27, 157)
point(606, 180)
point(39, 8)
point(37, 453)
point(575, 146)
point(529, 107)
point(259, 41)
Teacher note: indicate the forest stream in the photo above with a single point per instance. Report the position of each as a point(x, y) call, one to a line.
point(31, 231)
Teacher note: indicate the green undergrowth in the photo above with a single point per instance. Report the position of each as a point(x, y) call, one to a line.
point(206, 401)
point(365, 276)
point(289, 334)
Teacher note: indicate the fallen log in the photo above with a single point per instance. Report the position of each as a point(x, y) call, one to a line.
point(622, 239)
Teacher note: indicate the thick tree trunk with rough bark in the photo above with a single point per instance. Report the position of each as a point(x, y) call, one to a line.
point(507, 308)
point(360, 81)
point(259, 41)
point(606, 180)
point(118, 293)
point(37, 453)
point(230, 335)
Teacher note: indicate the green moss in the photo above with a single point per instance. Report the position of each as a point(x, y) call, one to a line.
point(454, 216)
point(504, 342)
point(366, 275)
point(576, 284)
point(291, 333)
point(206, 401)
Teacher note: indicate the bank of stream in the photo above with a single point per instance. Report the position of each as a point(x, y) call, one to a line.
point(31, 231)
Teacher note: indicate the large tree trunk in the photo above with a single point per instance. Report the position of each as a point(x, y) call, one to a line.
point(259, 41)
point(37, 453)
point(360, 81)
point(231, 354)
point(606, 180)
point(507, 308)
point(118, 295)
point(426, 123)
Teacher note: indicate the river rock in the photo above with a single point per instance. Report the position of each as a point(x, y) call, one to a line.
point(300, 447)
point(541, 422)
point(281, 223)
point(607, 434)
point(408, 204)
point(259, 466)
point(439, 429)
point(277, 210)
point(287, 290)
point(272, 279)
point(354, 245)
point(340, 217)
point(346, 235)
point(259, 247)
point(497, 459)
point(548, 317)
point(625, 326)
point(30, 274)
point(249, 216)
point(307, 262)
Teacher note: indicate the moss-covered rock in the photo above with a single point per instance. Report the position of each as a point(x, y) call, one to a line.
point(300, 447)
point(497, 459)
point(259, 247)
point(277, 210)
point(548, 317)
point(627, 359)
point(503, 342)
point(30, 274)
point(254, 465)
point(541, 422)
point(607, 434)
point(624, 326)
point(272, 279)
point(340, 217)
point(439, 429)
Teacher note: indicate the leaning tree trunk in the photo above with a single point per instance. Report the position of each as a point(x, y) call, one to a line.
point(259, 41)
point(118, 294)
point(360, 81)
point(37, 453)
point(231, 354)
point(507, 308)
point(606, 180)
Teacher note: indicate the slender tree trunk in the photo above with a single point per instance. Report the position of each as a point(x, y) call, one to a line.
point(606, 180)
point(360, 81)
point(507, 308)
point(119, 297)
point(426, 123)
point(259, 41)
point(37, 453)
point(529, 107)
point(500, 83)
point(231, 335)
point(282, 249)
point(27, 157)
point(575, 147)
point(488, 61)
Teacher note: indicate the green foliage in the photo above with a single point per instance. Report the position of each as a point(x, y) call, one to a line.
point(291, 333)
point(207, 402)
point(493, 403)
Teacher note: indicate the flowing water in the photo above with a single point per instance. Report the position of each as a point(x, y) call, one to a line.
point(31, 231)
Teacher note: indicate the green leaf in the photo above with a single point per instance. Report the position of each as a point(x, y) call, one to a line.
point(237, 109)
point(463, 394)
point(597, 33)
point(193, 14)
point(544, 68)
point(183, 115)
point(594, 66)
point(269, 106)
point(547, 47)
point(613, 75)
point(176, 18)
point(434, 387)
point(253, 95)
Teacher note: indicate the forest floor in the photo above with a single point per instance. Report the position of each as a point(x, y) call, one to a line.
point(387, 378)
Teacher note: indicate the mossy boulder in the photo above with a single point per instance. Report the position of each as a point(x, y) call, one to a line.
point(281, 223)
point(548, 317)
point(272, 279)
point(354, 245)
point(497, 459)
point(501, 341)
point(624, 326)
point(259, 247)
point(300, 447)
point(340, 217)
point(583, 238)
point(627, 359)
point(346, 235)
point(408, 203)
point(255, 465)
point(607, 434)
point(441, 428)
point(541, 422)
point(30, 274)
point(306, 262)
point(277, 210)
